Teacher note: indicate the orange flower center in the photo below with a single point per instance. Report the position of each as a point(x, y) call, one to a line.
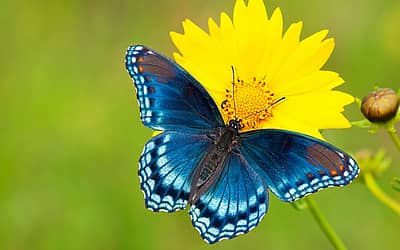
point(253, 103)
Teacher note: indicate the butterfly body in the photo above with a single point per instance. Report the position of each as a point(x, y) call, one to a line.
point(210, 167)
point(222, 173)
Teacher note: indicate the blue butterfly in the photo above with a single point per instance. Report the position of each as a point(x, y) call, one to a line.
point(222, 173)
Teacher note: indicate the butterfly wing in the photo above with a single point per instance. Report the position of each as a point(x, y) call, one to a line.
point(234, 204)
point(165, 168)
point(294, 165)
point(169, 97)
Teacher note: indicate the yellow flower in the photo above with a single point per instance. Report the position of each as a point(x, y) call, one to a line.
point(266, 66)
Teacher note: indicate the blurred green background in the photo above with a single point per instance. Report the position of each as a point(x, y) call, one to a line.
point(70, 133)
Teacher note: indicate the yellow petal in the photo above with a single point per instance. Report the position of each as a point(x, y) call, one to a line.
point(250, 38)
point(314, 81)
point(298, 63)
point(271, 45)
point(281, 52)
point(320, 109)
point(204, 58)
point(286, 122)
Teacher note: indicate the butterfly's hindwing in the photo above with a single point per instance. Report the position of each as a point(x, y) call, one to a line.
point(294, 165)
point(233, 205)
point(169, 98)
point(166, 166)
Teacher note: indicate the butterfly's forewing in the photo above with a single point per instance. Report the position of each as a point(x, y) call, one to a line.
point(294, 165)
point(233, 205)
point(169, 98)
point(165, 168)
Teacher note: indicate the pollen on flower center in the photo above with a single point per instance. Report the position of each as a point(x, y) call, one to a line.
point(253, 101)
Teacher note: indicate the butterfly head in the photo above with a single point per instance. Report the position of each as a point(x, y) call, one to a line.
point(235, 124)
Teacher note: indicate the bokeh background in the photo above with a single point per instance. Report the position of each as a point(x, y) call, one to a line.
point(70, 133)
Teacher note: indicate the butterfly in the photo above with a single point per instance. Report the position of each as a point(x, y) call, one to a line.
point(223, 174)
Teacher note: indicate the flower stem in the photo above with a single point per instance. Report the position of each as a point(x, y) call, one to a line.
point(379, 194)
point(395, 138)
point(324, 225)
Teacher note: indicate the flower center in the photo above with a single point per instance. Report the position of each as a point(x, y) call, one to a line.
point(253, 103)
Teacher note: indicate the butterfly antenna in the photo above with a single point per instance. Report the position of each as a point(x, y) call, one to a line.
point(233, 90)
point(276, 102)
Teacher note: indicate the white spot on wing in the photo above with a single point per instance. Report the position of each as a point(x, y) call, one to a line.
point(262, 208)
point(150, 145)
point(147, 171)
point(147, 102)
point(205, 221)
point(156, 198)
point(213, 231)
point(325, 177)
point(337, 177)
point(162, 149)
point(303, 186)
point(151, 183)
point(228, 227)
point(148, 159)
point(314, 181)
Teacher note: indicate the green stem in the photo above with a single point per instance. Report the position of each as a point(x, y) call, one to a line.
point(379, 194)
point(323, 224)
point(395, 138)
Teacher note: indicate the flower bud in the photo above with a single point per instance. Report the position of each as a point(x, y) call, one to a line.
point(380, 105)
